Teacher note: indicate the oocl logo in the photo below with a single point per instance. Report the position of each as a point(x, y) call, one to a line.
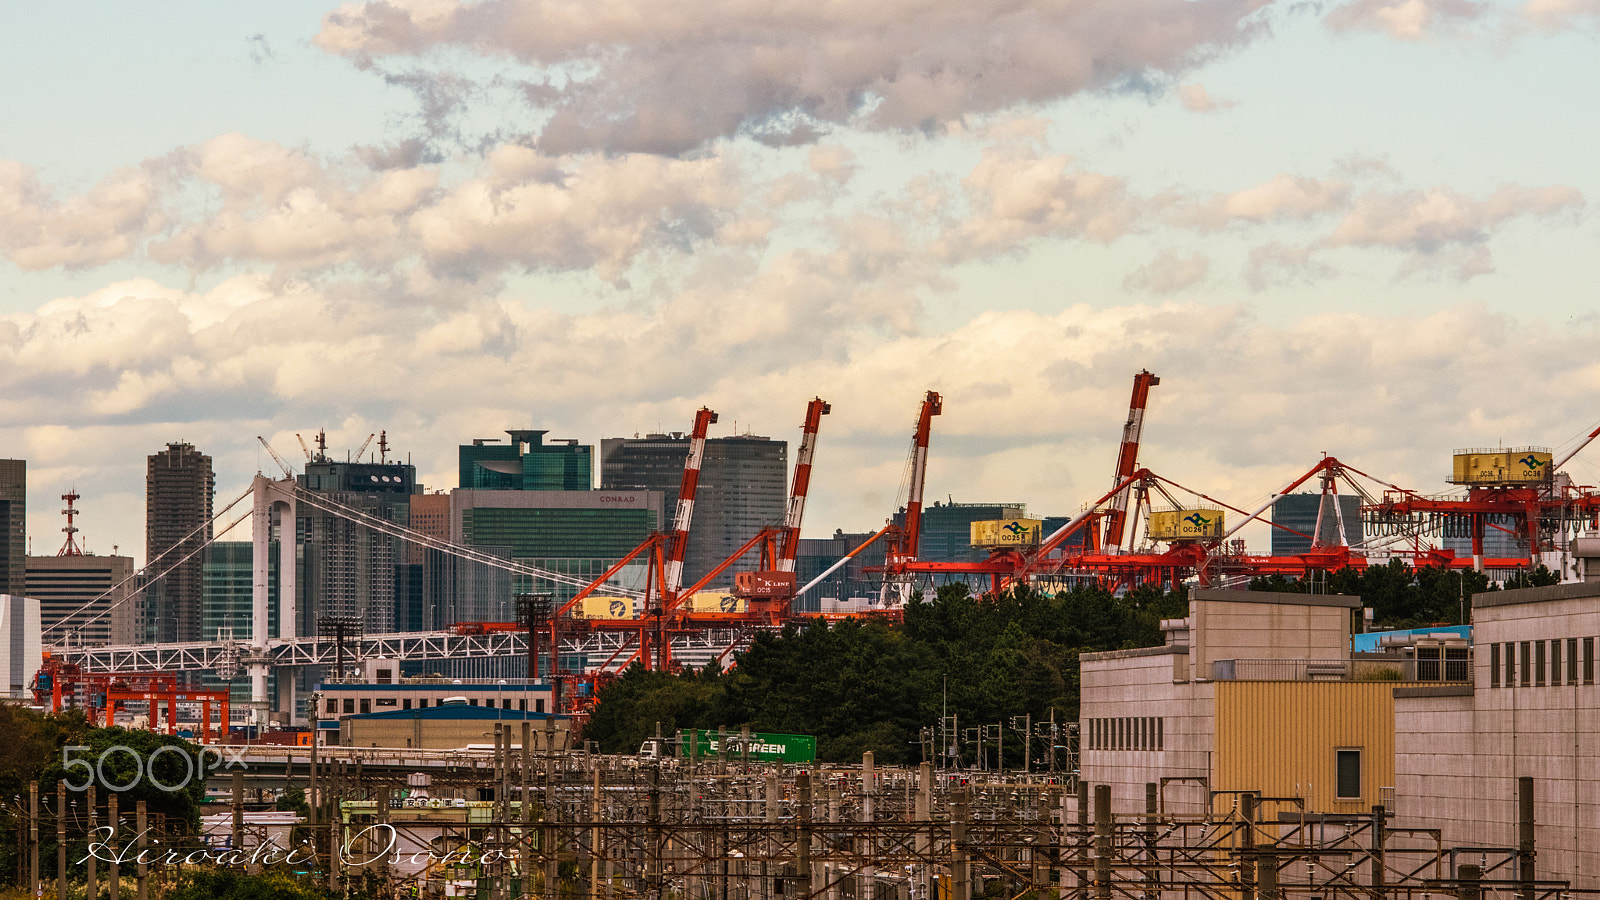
point(1197, 520)
point(1533, 463)
point(1016, 528)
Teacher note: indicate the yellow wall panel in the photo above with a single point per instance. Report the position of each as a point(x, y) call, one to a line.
point(1278, 738)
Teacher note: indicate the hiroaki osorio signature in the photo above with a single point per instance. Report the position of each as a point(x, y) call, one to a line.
point(379, 846)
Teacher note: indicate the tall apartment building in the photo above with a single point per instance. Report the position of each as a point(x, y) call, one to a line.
point(13, 525)
point(347, 568)
point(428, 576)
point(743, 488)
point(179, 490)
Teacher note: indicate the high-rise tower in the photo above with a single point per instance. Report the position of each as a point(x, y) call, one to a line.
point(742, 489)
point(178, 492)
point(347, 569)
point(13, 528)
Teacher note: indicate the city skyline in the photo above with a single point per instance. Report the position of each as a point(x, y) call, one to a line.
point(1357, 227)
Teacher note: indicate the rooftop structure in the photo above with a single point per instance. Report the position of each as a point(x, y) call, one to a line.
point(527, 463)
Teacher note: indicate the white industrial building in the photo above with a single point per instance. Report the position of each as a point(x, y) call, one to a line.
point(1533, 710)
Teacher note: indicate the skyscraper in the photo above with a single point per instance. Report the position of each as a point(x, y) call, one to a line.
point(13, 525)
point(179, 489)
point(229, 584)
point(349, 569)
point(742, 489)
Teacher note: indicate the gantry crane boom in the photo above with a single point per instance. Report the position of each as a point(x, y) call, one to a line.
point(678, 540)
point(1128, 458)
point(1567, 457)
point(790, 547)
point(363, 448)
point(903, 548)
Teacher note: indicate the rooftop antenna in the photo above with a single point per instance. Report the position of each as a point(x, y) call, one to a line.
point(322, 445)
point(383, 446)
point(71, 547)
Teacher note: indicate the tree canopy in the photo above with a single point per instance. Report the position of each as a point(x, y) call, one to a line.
point(863, 685)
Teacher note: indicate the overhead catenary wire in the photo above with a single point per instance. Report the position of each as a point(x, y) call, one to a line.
point(69, 622)
point(145, 569)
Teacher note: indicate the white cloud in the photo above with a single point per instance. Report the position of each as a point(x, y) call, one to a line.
point(1553, 14)
point(235, 199)
point(1443, 227)
point(633, 75)
point(1276, 264)
point(1015, 195)
point(1169, 272)
point(1283, 198)
point(1405, 19)
point(1034, 401)
point(39, 231)
point(1195, 98)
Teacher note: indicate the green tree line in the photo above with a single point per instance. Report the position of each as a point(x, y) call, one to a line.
point(863, 685)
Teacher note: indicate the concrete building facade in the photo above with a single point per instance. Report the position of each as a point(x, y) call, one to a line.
point(1254, 691)
point(1532, 709)
point(84, 600)
point(452, 727)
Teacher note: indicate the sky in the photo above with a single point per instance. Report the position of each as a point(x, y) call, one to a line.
point(1361, 228)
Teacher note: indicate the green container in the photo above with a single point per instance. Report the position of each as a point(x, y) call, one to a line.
point(785, 748)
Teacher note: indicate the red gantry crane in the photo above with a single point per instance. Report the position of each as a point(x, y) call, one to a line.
point(1128, 459)
point(903, 540)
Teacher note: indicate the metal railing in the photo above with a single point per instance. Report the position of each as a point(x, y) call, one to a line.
point(1453, 671)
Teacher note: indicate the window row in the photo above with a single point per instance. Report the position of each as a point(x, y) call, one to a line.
point(1126, 733)
point(349, 704)
point(1540, 663)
